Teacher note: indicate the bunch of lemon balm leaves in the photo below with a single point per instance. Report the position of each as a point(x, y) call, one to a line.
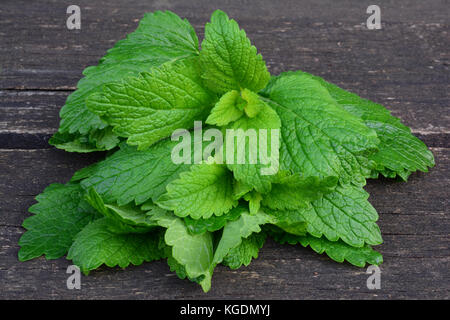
point(138, 205)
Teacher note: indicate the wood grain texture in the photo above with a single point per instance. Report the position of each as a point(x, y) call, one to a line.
point(404, 66)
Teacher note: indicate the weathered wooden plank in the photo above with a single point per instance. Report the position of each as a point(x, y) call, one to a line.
point(29, 118)
point(403, 66)
point(30, 112)
point(423, 193)
point(413, 221)
point(280, 272)
point(25, 173)
point(325, 38)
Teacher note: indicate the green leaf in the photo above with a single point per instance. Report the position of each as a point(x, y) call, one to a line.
point(253, 103)
point(227, 109)
point(247, 141)
point(254, 201)
point(96, 244)
point(318, 137)
point(213, 223)
point(245, 252)
point(73, 142)
point(294, 191)
point(159, 38)
point(97, 140)
point(343, 214)
point(128, 219)
point(235, 231)
point(205, 190)
point(104, 139)
point(338, 250)
point(232, 106)
point(240, 189)
point(175, 266)
point(58, 216)
point(131, 175)
point(228, 59)
point(193, 251)
point(399, 151)
point(179, 269)
point(150, 107)
point(290, 221)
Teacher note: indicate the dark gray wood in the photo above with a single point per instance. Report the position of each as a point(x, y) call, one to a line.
point(404, 66)
point(26, 173)
point(29, 118)
point(280, 272)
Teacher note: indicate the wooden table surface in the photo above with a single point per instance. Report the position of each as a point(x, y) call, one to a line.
point(404, 66)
